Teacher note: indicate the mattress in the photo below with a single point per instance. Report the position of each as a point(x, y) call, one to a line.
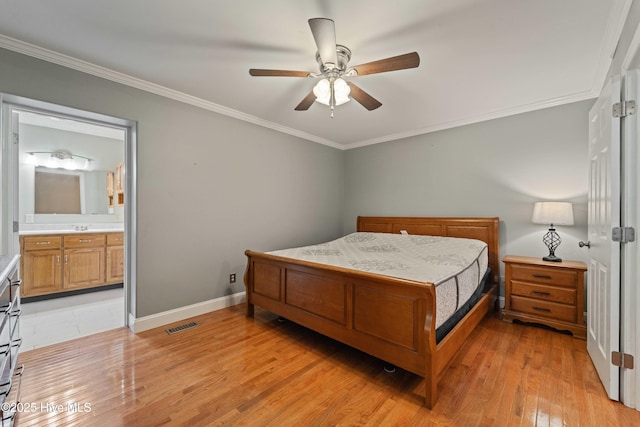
point(456, 266)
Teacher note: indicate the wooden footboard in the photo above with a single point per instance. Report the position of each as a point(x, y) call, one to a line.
point(390, 318)
point(382, 316)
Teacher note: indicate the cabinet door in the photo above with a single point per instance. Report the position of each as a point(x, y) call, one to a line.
point(110, 187)
point(84, 267)
point(115, 264)
point(119, 183)
point(42, 272)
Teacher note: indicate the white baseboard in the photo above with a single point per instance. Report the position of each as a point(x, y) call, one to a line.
point(160, 319)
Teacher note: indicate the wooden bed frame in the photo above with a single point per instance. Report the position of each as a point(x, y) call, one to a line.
point(392, 319)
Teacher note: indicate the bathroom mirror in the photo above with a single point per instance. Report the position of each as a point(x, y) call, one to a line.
point(59, 191)
point(63, 169)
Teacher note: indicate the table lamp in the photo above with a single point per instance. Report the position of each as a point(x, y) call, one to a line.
point(553, 213)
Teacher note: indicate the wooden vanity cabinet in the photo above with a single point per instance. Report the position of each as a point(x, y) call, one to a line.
point(84, 261)
point(55, 263)
point(41, 264)
point(115, 258)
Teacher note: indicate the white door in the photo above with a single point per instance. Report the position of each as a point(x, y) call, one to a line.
point(603, 289)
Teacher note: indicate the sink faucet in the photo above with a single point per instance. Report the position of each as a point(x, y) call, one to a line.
point(81, 227)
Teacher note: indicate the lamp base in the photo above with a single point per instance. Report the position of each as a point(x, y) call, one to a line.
point(552, 258)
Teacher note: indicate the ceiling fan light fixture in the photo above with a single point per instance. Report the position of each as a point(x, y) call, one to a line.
point(333, 60)
point(341, 90)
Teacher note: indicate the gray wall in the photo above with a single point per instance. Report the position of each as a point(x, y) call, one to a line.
point(494, 168)
point(209, 186)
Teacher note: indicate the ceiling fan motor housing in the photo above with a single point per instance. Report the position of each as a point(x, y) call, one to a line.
point(344, 55)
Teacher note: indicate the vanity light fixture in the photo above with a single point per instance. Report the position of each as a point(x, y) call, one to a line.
point(558, 213)
point(58, 159)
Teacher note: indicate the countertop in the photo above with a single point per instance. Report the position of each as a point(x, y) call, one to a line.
point(71, 231)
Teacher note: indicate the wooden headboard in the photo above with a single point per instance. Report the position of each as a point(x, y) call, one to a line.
point(485, 229)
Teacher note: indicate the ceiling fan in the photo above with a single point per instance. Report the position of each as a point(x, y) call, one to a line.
point(332, 89)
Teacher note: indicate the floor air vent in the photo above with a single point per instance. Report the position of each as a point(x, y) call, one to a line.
point(180, 328)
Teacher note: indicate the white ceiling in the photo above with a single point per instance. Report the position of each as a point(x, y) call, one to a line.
point(480, 59)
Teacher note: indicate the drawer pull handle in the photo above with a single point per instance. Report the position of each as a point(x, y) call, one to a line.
point(85, 240)
point(542, 276)
point(546, 294)
point(19, 371)
point(546, 310)
point(43, 243)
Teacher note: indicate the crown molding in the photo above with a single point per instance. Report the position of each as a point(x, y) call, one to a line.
point(526, 108)
point(125, 79)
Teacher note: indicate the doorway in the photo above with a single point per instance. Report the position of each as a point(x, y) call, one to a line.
point(77, 264)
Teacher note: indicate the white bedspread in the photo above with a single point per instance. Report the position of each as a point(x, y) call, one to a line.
point(456, 266)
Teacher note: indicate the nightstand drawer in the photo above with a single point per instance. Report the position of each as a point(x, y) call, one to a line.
point(544, 308)
point(544, 275)
point(544, 292)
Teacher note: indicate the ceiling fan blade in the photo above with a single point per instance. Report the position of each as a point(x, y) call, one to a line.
point(366, 100)
point(400, 62)
point(306, 102)
point(324, 33)
point(278, 73)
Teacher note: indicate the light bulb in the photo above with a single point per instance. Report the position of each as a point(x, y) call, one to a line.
point(31, 159)
point(53, 163)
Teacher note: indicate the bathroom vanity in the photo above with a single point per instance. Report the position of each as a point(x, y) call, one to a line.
point(54, 262)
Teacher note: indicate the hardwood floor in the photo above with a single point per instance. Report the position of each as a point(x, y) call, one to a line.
point(233, 370)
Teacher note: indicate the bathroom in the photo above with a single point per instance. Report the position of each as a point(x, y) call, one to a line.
point(71, 210)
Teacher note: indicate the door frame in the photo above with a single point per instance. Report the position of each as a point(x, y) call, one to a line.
point(630, 269)
point(9, 103)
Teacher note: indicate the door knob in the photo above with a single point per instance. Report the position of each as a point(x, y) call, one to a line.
point(583, 244)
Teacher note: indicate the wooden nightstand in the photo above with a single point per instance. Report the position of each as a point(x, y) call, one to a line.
point(547, 293)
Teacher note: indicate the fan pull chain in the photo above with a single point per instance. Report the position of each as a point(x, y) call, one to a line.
point(332, 100)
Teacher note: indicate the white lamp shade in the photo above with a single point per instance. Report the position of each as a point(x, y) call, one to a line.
point(556, 213)
point(341, 91)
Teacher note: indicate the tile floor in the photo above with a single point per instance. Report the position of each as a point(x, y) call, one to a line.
point(56, 320)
